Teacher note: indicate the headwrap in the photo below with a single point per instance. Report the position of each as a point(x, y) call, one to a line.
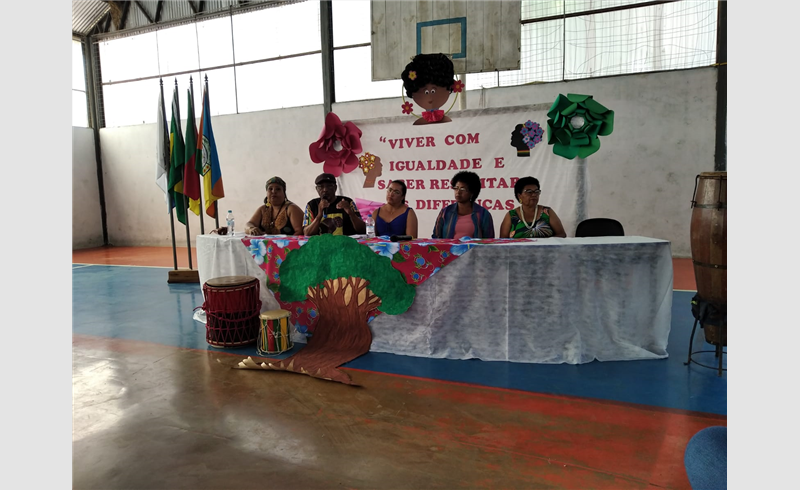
point(276, 180)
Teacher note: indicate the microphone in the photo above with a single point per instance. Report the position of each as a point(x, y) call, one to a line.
point(400, 238)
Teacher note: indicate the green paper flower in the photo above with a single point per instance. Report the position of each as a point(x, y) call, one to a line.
point(575, 122)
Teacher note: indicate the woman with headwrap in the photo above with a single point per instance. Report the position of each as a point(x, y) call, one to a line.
point(278, 215)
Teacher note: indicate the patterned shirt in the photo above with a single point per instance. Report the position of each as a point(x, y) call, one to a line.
point(540, 228)
point(336, 221)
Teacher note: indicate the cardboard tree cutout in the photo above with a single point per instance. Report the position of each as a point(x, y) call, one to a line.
point(430, 79)
point(347, 282)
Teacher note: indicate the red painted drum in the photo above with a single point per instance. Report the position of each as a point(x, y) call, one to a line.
point(709, 239)
point(232, 307)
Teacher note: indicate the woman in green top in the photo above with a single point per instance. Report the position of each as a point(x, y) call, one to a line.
point(530, 219)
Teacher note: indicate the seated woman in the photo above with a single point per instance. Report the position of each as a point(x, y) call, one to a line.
point(395, 217)
point(277, 216)
point(465, 217)
point(530, 219)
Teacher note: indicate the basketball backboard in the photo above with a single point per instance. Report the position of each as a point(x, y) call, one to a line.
point(480, 36)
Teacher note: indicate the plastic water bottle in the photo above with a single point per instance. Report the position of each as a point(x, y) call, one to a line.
point(370, 226)
point(229, 219)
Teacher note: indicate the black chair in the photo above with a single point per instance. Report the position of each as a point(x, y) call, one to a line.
point(599, 227)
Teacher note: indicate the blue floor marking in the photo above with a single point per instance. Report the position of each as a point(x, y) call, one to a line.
point(137, 303)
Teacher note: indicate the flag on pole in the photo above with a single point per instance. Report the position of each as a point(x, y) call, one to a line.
point(162, 148)
point(191, 177)
point(177, 156)
point(212, 175)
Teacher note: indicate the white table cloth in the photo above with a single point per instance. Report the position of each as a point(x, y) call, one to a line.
point(555, 300)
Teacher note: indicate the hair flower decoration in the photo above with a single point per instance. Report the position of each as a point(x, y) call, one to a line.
point(366, 162)
point(458, 86)
point(337, 146)
point(575, 122)
point(412, 75)
point(408, 107)
point(532, 133)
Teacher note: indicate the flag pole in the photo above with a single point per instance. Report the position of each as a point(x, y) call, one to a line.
point(216, 214)
point(186, 206)
point(169, 203)
point(199, 138)
point(178, 275)
point(172, 231)
point(188, 237)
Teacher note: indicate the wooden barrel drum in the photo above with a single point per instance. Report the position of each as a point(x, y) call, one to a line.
point(709, 240)
point(232, 308)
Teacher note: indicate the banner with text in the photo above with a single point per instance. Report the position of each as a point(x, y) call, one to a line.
point(489, 142)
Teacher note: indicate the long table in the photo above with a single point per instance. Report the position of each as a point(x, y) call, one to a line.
point(555, 300)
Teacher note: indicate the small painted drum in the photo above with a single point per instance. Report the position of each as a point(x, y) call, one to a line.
point(275, 336)
point(232, 305)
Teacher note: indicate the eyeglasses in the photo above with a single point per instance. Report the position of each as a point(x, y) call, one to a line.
point(460, 189)
point(394, 191)
point(532, 192)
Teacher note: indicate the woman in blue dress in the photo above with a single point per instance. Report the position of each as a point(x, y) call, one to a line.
point(395, 217)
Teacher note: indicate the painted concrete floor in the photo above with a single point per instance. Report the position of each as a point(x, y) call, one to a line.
point(155, 407)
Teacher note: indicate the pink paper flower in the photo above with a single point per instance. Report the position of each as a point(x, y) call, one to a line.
point(337, 146)
point(408, 107)
point(458, 86)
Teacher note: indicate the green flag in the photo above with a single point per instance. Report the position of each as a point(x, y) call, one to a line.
point(177, 158)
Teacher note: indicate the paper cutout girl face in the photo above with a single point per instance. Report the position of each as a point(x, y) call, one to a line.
point(429, 80)
point(431, 97)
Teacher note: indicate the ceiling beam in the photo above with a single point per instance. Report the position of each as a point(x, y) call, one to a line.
point(191, 5)
point(143, 11)
point(158, 10)
point(124, 18)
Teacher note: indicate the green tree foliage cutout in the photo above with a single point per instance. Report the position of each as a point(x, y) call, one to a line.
point(346, 281)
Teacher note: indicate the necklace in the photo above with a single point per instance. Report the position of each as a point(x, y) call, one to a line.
point(522, 217)
point(272, 214)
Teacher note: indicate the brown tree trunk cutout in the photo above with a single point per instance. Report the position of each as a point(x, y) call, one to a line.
point(342, 332)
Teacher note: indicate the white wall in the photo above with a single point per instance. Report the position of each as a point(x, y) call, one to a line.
point(252, 147)
point(643, 175)
point(87, 226)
